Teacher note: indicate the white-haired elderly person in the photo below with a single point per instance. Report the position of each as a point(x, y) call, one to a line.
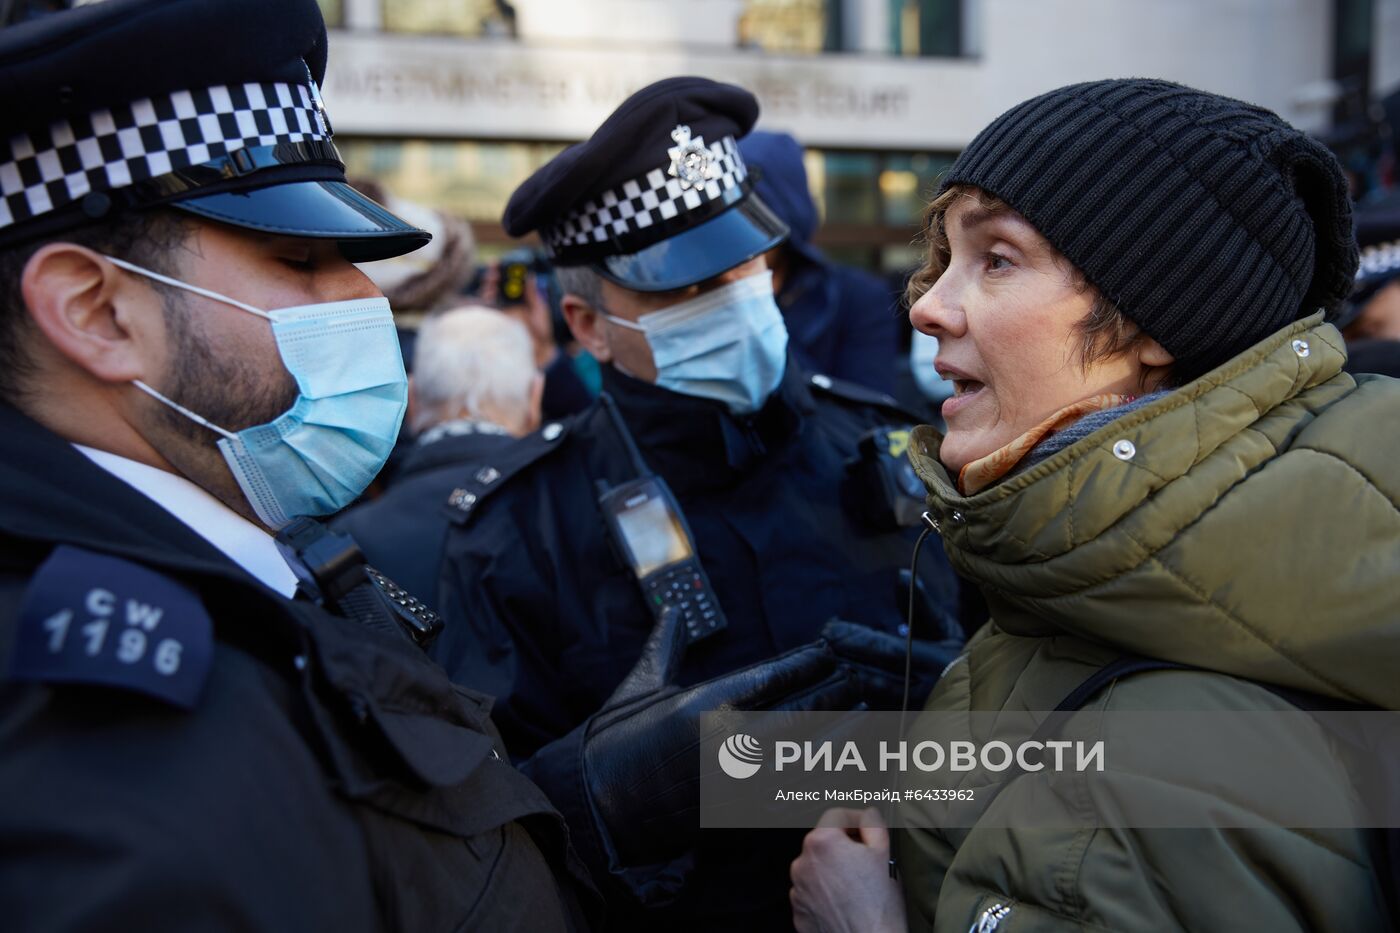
point(475, 389)
point(1153, 453)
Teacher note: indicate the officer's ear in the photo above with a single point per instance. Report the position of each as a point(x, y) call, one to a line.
point(587, 326)
point(94, 315)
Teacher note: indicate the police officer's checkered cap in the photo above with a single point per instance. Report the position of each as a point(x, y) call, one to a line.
point(114, 147)
point(128, 104)
point(615, 193)
point(642, 203)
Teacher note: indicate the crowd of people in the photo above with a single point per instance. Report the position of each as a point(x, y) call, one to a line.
point(312, 619)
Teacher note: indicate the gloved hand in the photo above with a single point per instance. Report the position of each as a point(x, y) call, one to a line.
point(876, 659)
point(640, 754)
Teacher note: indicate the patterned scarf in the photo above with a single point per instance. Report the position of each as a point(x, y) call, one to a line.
point(981, 473)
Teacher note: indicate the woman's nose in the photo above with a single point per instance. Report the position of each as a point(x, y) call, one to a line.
point(937, 312)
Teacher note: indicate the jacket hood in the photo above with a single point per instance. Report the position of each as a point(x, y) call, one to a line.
point(782, 185)
point(1245, 523)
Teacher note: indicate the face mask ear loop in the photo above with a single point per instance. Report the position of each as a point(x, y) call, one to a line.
point(176, 283)
point(182, 409)
point(623, 322)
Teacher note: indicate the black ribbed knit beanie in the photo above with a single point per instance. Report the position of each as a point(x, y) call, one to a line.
point(1209, 222)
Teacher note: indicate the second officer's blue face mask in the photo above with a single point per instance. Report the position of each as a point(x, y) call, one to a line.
point(319, 455)
point(729, 344)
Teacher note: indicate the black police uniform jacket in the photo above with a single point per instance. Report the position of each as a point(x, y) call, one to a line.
point(543, 614)
point(406, 525)
point(317, 776)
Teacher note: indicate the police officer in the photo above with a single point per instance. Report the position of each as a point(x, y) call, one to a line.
point(202, 727)
point(550, 585)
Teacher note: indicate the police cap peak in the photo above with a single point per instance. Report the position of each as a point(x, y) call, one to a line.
point(658, 197)
point(209, 106)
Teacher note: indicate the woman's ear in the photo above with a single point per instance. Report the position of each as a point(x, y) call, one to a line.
point(1153, 354)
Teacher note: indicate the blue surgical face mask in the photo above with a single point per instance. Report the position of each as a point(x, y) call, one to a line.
point(729, 344)
point(319, 455)
point(922, 350)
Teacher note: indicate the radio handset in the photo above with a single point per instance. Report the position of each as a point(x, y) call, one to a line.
point(646, 523)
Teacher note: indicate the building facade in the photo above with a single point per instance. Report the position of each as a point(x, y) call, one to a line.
point(454, 102)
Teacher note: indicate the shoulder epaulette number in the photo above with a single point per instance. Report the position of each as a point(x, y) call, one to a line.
point(91, 618)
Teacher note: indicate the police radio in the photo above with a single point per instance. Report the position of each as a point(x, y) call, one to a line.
point(648, 530)
point(647, 525)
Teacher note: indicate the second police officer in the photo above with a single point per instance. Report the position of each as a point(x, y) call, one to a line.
point(714, 484)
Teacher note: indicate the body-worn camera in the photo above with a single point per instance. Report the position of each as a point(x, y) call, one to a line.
point(881, 482)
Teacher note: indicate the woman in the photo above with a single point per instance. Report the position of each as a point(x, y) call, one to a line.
point(1152, 451)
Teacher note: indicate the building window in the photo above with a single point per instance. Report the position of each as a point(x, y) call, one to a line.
point(467, 18)
point(467, 179)
point(846, 194)
point(791, 25)
point(926, 27)
point(872, 204)
point(907, 183)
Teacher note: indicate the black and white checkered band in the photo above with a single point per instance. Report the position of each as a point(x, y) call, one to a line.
point(646, 210)
point(220, 129)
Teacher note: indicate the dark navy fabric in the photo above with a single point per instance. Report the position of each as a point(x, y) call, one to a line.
point(841, 321)
point(96, 619)
point(543, 614)
point(324, 770)
point(565, 392)
point(405, 528)
point(124, 50)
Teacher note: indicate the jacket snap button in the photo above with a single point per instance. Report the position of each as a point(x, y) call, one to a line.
point(957, 518)
point(1124, 450)
point(1301, 348)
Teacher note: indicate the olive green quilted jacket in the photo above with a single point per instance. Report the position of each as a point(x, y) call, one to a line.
point(1246, 524)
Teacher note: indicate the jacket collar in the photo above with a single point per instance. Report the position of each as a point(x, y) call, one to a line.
point(995, 521)
point(697, 443)
point(50, 494)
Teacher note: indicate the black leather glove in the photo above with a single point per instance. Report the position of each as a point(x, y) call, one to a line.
point(876, 660)
point(640, 754)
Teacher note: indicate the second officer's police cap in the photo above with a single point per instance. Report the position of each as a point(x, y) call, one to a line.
point(659, 197)
point(209, 106)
